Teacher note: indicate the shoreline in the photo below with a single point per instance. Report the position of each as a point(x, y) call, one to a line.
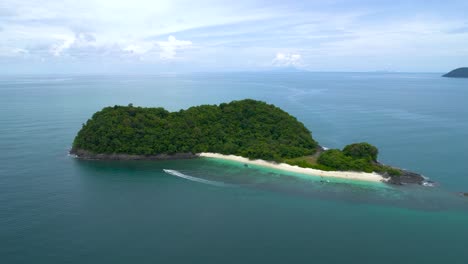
point(407, 177)
point(349, 175)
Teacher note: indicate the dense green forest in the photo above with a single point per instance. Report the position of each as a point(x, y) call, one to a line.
point(248, 128)
point(355, 157)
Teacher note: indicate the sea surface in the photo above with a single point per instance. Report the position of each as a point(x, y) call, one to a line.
point(57, 209)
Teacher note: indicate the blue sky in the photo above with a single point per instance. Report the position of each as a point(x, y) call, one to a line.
point(153, 36)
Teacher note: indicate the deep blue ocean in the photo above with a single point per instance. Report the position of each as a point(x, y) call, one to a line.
point(57, 209)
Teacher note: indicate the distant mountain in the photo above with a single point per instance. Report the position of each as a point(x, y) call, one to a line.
point(458, 73)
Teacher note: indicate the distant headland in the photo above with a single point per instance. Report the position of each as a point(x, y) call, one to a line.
point(247, 131)
point(458, 73)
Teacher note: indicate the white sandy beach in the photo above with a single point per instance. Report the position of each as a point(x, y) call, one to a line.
point(360, 176)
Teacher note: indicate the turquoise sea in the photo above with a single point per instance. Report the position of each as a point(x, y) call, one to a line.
point(57, 209)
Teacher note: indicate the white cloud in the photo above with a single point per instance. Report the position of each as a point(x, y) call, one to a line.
point(50, 28)
point(287, 60)
point(65, 42)
point(230, 34)
point(13, 52)
point(146, 50)
point(20, 51)
point(169, 48)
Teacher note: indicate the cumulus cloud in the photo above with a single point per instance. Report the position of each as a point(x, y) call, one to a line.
point(12, 52)
point(165, 50)
point(63, 43)
point(66, 42)
point(287, 60)
point(234, 34)
point(20, 51)
point(170, 47)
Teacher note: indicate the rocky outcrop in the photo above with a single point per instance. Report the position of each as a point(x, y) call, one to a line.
point(407, 177)
point(404, 177)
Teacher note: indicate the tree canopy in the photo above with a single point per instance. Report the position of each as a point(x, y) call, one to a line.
point(362, 150)
point(355, 157)
point(247, 128)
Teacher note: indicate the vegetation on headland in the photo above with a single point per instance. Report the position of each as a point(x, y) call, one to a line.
point(247, 128)
point(457, 73)
point(354, 157)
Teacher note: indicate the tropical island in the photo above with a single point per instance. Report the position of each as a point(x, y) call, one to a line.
point(248, 131)
point(458, 73)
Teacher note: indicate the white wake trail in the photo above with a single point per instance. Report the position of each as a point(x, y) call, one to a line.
point(191, 178)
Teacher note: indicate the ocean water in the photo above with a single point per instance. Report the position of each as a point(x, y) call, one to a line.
point(56, 209)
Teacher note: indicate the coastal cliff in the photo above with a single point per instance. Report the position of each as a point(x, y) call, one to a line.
point(246, 128)
point(457, 73)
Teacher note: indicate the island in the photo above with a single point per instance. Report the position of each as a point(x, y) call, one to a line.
point(248, 131)
point(458, 73)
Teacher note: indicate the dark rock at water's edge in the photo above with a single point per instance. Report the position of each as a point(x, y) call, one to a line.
point(464, 194)
point(404, 177)
point(458, 73)
point(408, 177)
point(84, 154)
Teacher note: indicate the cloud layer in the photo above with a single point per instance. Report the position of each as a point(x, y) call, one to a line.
point(243, 35)
point(287, 60)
